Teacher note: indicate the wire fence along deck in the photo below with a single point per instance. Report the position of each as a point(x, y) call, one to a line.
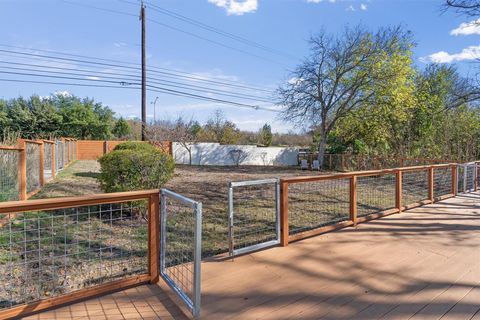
point(54, 251)
point(24, 169)
point(313, 205)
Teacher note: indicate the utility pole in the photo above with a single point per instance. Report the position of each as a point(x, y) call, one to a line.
point(144, 76)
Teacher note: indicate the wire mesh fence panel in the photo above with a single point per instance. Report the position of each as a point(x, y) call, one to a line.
point(9, 188)
point(180, 253)
point(59, 155)
point(253, 215)
point(75, 150)
point(414, 186)
point(47, 161)
point(375, 194)
point(470, 178)
point(45, 254)
point(442, 181)
point(316, 204)
point(33, 166)
point(460, 178)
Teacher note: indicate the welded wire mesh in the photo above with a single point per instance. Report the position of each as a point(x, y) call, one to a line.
point(75, 150)
point(33, 166)
point(414, 186)
point(442, 181)
point(59, 155)
point(375, 194)
point(9, 175)
point(460, 178)
point(316, 204)
point(253, 214)
point(49, 253)
point(470, 180)
point(180, 243)
point(47, 161)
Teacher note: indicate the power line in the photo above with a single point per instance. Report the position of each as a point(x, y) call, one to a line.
point(178, 30)
point(119, 78)
point(153, 69)
point(155, 89)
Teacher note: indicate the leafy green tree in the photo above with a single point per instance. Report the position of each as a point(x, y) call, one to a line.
point(266, 135)
point(122, 129)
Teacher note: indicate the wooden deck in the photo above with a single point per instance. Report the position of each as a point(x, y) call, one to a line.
point(420, 264)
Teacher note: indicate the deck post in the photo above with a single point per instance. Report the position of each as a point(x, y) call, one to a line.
point(154, 237)
point(353, 199)
point(430, 184)
point(398, 190)
point(22, 170)
point(284, 213)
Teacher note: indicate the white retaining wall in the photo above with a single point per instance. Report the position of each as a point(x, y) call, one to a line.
point(215, 154)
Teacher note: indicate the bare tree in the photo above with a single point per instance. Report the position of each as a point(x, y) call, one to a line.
point(181, 131)
point(467, 7)
point(337, 77)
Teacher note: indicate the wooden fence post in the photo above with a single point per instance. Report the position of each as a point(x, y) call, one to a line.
point(154, 237)
point(41, 164)
point(22, 170)
point(430, 184)
point(52, 154)
point(454, 180)
point(398, 190)
point(105, 147)
point(330, 161)
point(353, 199)
point(284, 232)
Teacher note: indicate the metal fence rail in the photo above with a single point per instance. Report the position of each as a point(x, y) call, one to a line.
point(9, 182)
point(254, 215)
point(180, 252)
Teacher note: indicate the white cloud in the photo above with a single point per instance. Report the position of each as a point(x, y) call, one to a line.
point(350, 8)
point(92, 78)
point(469, 53)
point(236, 7)
point(64, 94)
point(363, 7)
point(295, 81)
point(119, 44)
point(467, 28)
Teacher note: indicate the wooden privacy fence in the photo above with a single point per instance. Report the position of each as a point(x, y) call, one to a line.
point(25, 168)
point(94, 149)
point(318, 204)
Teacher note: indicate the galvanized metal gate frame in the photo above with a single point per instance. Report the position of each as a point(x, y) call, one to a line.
point(231, 214)
point(464, 176)
point(192, 303)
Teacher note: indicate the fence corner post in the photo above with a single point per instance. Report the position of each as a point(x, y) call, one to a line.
point(353, 200)
point(430, 184)
point(154, 237)
point(398, 190)
point(284, 213)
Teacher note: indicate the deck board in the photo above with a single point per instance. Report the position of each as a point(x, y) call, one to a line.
point(419, 264)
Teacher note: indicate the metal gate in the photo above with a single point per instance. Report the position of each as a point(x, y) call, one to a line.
point(254, 215)
point(181, 247)
point(467, 177)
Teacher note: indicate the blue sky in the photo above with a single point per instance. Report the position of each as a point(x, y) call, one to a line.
point(283, 25)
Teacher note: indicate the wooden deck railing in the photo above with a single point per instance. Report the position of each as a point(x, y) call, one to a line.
point(56, 251)
point(319, 204)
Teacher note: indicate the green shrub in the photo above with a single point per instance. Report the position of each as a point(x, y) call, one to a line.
point(137, 146)
point(135, 169)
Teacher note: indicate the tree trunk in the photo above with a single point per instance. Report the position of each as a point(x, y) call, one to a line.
point(322, 145)
point(190, 156)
